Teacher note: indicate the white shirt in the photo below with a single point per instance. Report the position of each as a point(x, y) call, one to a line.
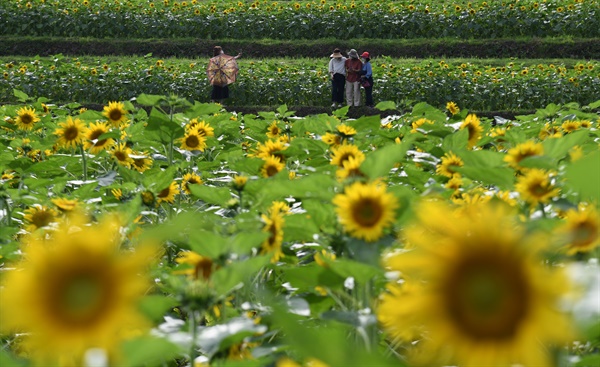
point(337, 66)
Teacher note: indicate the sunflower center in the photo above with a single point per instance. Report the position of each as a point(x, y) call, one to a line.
point(121, 156)
point(26, 119)
point(538, 189)
point(71, 133)
point(192, 141)
point(41, 219)
point(164, 192)
point(367, 212)
point(80, 297)
point(487, 298)
point(271, 170)
point(584, 234)
point(115, 115)
point(95, 134)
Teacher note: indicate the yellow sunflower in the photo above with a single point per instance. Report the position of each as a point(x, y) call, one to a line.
point(201, 266)
point(71, 133)
point(418, 123)
point(484, 296)
point(121, 152)
point(39, 216)
point(452, 108)
point(74, 291)
point(346, 131)
point(274, 222)
point(92, 143)
point(365, 210)
point(343, 152)
point(239, 182)
point(550, 131)
point(116, 113)
point(535, 187)
point(581, 229)
point(473, 125)
point(272, 166)
point(448, 165)
point(192, 140)
point(141, 161)
point(203, 128)
point(65, 205)
point(528, 149)
point(190, 179)
point(273, 130)
point(350, 169)
point(148, 198)
point(570, 126)
point(271, 148)
point(331, 139)
point(168, 194)
point(26, 118)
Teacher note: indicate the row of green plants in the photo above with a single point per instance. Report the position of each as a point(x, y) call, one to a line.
point(182, 234)
point(504, 85)
point(300, 20)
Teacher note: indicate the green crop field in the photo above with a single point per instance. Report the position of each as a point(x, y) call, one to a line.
point(455, 223)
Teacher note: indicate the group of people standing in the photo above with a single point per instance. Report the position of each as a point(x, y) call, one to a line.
point(348, 75)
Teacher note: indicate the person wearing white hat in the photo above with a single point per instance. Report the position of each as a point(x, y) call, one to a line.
point(337, 71)
point(353, 68)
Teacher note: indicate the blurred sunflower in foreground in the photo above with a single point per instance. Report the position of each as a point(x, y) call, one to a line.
point(75, 290)
point(476, 290)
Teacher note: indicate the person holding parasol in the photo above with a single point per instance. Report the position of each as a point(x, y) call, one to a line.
point(222, 70)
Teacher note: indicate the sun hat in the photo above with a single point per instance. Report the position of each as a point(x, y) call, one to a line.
point(353, 54)
point(365, 55)
point(336, 53)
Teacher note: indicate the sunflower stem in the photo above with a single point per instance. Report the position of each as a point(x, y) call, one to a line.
point(194, 330)
point(84, 162)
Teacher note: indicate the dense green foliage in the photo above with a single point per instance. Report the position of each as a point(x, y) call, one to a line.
point(299, 20)
point(509, 86)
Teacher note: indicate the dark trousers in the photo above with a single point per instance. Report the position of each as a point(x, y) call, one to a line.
point(369, 94)
point(338, 87)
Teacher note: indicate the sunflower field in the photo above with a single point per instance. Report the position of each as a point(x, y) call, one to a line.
point(173, 234)
point(502, 86)
point(457, 223)
point(339, 19)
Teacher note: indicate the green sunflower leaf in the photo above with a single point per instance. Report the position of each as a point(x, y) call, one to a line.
point(148, 350)
point(212, 195)
point(583, 176)
point(380, 162)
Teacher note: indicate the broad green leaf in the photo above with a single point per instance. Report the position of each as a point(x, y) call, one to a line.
point(207, 243)
point(429, 112)
point(583, 176)
point(21, 96)
point(366, 124)
point(244, 242)
point(299, 228)
point(358, 270)
point(559, 148)
point(386, 105)
point(456, 141)
point(499, 176)
point(380, 162)
point(8, 360)
point(306, 278)
point(155, 306)
point(150, 99)
point(481, 158)
point(238, 273)
point(210, 194)
point(542, 162)
point(148, 350)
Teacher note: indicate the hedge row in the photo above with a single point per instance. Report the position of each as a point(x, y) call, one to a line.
point(536, 48)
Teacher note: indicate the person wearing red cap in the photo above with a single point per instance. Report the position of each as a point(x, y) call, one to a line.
point(367, 75)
